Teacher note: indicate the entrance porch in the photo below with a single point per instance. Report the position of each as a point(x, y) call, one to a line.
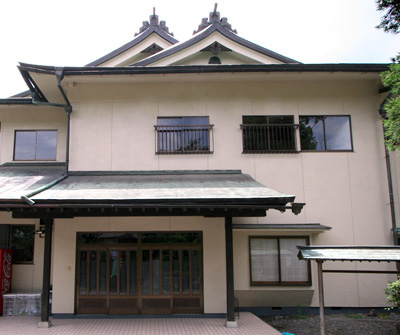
point(248, 324)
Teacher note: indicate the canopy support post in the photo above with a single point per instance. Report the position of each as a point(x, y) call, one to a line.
point(230, 298)
point(321, 297)
point(45, 322)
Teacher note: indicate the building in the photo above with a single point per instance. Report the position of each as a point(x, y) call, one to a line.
point(152, 171)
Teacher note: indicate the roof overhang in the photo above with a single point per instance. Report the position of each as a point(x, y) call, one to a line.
point(44, 84)
point(350, 253)
point(284, 227)
point(43, 191)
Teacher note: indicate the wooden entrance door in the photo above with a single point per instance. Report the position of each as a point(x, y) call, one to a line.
point(145, 279)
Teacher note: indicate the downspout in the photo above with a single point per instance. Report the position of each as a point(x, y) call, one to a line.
point(27, 197)
point(389, 177)
point(68, 110)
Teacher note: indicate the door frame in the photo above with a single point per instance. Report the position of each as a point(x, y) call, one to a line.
point(139, 247)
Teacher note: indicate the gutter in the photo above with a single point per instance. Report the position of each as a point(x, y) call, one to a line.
point(86, 70)
point(16, 101)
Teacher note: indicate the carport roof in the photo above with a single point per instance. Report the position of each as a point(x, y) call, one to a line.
point(350, 253)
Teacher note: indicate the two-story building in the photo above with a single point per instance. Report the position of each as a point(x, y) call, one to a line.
point(170, 177)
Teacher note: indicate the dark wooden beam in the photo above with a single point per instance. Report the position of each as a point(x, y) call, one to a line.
point(59, 213)
point(230, 291)
point(45, 322)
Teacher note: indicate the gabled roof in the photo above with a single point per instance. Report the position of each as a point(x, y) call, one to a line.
point(153, 26)
point(208, 27)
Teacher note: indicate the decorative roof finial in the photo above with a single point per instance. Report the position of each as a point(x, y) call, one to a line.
point(153, 22)
point(215, 19)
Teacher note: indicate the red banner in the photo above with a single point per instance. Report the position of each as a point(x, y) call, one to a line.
point(5, 274)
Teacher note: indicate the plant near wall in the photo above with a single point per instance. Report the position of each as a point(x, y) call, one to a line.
point(393, 294)
point(393, 297)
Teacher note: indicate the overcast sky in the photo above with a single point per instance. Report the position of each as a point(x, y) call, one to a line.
point(76, 32)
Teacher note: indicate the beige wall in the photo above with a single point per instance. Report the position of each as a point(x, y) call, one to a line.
point(31, 118)
point(347, 290)
point(213, 253)
point(27, 278)
point(347, 191)
point(112, 128)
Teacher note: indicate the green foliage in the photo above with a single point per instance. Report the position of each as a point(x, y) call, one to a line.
point(390, 21)
point(393, 294)
point(391, 79)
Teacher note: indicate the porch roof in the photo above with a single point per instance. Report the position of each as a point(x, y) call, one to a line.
point(32, 187)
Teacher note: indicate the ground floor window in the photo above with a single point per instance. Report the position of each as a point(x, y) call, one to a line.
point(273, 261)
point(19, 238)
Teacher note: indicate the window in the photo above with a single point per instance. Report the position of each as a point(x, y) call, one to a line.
point(273, 261)
point(19, 238)
point(269, 134)
point(326, 133)
point(35, 145)
point(183, 135)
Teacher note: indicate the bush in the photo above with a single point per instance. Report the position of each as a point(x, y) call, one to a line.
point(393, 294)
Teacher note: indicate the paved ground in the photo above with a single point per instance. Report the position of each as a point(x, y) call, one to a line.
point(248, 325)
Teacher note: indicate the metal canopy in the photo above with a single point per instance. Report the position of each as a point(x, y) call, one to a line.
point(306, 227)
point(346, 253)
point(350, 253)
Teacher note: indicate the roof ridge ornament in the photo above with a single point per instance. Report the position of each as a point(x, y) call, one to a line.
point(153, 22)
point(215, 19)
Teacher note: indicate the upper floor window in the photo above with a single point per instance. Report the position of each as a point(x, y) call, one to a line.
point(269, 134)
point(326, 133)
point(273, 261)
point(35, 145)
point(183, 135)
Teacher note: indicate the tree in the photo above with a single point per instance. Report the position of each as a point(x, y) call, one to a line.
point(391, 79)
point(390, 22)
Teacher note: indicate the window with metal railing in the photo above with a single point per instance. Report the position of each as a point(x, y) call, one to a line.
point(184, 135)
point(269, 134)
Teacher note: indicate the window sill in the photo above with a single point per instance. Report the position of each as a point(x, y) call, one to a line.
point(186, 153)
point(329, 151)
point(308, 284)
point(270, 152)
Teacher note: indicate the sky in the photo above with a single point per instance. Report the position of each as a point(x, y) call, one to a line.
point(76, 32)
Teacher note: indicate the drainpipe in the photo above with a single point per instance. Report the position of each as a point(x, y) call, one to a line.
point(68, 110)
point(391, 195)
point(389, 177)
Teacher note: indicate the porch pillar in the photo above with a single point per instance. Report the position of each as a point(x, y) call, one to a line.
point(321, 297)
point(45, 322)
point(230, 298)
